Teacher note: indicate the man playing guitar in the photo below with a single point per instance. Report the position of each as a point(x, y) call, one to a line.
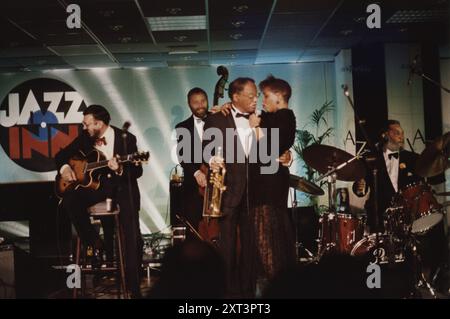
point(119, 181)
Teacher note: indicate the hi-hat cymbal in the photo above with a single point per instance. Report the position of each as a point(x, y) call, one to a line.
point(434, 158)
point(323, 157)
point(301, 184)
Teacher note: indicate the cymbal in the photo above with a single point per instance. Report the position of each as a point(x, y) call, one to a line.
point(434, 158)
point(301, 184)
point(322, 157)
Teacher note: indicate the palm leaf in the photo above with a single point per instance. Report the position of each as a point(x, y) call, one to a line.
point(326, 134)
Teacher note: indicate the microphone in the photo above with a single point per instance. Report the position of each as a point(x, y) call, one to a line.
point(345, 88)
point(126, 126)
point(412, 69)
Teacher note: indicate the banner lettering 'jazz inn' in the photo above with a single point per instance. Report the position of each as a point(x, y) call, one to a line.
point(37, 119)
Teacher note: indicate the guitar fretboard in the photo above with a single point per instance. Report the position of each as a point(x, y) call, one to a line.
point(97, 165)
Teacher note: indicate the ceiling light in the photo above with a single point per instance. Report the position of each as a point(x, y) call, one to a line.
point(173, 11)
point(236, 36)
point(116, 27)
point(240, 9)
point(414, 16)
point(360, 19)
point(125, 39)
point(238, 24)
point(177, 23)
point(345, 32)
point(180, 38)
point(106, 13)
point(173, 52)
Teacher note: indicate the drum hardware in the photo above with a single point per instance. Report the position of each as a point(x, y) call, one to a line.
point(380, 248)
point(338, 232)
point(305, 186)
point(419, 276)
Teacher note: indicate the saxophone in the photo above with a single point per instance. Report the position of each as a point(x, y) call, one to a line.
point(214, 190)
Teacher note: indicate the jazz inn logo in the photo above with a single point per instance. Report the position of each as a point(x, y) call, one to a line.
point(37, 119)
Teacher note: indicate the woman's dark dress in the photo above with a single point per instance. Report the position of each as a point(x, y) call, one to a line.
point(273, 227)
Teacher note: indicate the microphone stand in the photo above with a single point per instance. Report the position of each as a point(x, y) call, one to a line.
point(374, 159)
point(298, 243)
point(132, 212)
point(426, 77)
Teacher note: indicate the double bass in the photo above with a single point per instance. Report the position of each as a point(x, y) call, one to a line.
point(208, 228)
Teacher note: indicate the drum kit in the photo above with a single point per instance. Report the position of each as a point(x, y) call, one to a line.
point(413, 212)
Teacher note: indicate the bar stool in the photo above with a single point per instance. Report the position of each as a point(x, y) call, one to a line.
point(100, 210)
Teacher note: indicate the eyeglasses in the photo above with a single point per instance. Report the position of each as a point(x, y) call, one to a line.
point(251, 96)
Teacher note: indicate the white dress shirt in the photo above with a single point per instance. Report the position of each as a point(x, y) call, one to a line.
point(392, 167)
point(243, 129)
point(198, 123)
point(108, 149)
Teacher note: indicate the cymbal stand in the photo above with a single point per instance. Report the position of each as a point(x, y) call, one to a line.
point(330, 218)
point(299, 245)
point(419, 277)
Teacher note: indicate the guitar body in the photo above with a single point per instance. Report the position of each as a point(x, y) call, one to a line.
point(84, 179)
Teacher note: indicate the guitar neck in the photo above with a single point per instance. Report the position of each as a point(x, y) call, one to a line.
point(101, 164)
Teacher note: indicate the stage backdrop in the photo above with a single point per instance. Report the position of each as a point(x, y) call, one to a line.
point(153, 100)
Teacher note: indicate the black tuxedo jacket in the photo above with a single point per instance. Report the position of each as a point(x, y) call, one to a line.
point(85, 144)
point(237, 173)
point(386, 191)
point(192, 164)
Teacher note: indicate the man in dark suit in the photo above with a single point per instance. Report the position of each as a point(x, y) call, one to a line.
point(189, 148)
point(395, 170)
point(120, 183)
point(241, 121)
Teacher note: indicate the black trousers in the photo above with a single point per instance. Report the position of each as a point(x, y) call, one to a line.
point(240, 268)
point(76, 204)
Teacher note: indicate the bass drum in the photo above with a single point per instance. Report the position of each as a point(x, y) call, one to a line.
point(390, 249)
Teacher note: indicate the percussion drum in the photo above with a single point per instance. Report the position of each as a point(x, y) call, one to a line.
point(420, 208)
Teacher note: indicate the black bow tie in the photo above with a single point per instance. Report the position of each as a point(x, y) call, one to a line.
point(100, 141)
point(393, 155)
point(243, 115)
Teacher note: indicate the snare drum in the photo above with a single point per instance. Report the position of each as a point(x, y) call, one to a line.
point(420, 208)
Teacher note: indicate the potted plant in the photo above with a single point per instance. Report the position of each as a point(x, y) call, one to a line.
point(319, 131)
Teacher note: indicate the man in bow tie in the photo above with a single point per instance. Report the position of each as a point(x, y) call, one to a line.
point(395, 168)
point(241, 120)
point(189, 133)
point(120, 182)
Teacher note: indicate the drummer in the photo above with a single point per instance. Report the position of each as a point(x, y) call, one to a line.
point(395, 170)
